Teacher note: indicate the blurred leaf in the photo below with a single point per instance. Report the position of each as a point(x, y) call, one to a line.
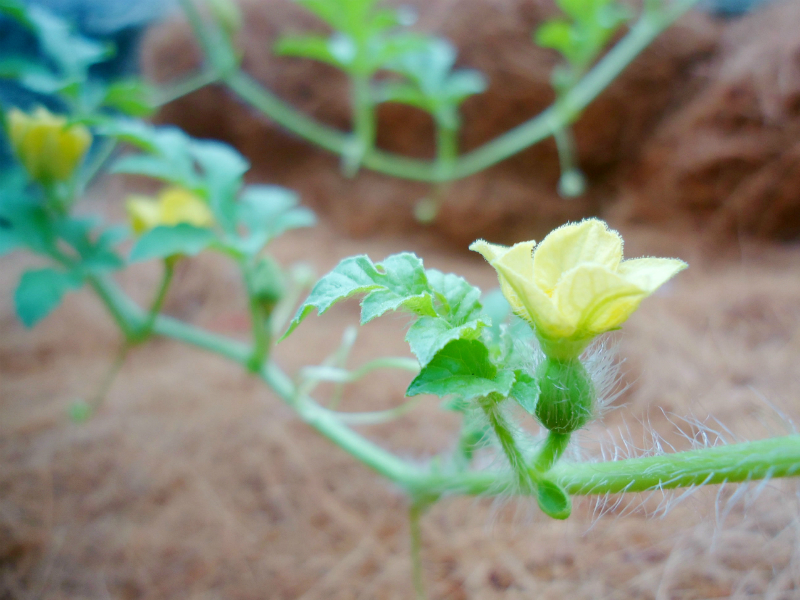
point(164, 241)
point(131, 97)
point(40, 292)
point(267, 211)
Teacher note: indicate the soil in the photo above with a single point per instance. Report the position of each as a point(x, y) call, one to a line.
point(195, 481)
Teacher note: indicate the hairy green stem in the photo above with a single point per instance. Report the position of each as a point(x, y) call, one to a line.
point(491, 407)
point(552, 449)
point(747, 461)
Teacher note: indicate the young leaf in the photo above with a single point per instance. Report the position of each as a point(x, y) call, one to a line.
point(462, 368)
point(267, 211)
point(164, 241)
point(397, 282)
point(40, 291)
point(525, 391)
point(553, 500)
point(428, 335)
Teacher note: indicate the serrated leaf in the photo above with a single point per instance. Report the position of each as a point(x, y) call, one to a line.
point(460, 300)
point(428, 335)
point(398, 282)
point(462, 368)
point(41, 291)
point(164, 241)
point(525, 391)
point(267, 211)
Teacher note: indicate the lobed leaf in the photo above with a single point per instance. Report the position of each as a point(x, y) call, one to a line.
point(398, 282)
point(462, 368)
point(39, 292)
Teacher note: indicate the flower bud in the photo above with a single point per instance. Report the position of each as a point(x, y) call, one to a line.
point(49, 149)
point(267, 284)
point(566, 395)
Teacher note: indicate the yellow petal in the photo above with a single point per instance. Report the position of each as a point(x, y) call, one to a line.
point(592, 299)
point(589, 241)
point(144, 213)
point(72, 144)
point(519, 254)
point(650, 273)
point(181, 206)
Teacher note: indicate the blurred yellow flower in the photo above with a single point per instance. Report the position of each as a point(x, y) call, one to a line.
point(49, 149)
point(173, 205)
point(575, 285)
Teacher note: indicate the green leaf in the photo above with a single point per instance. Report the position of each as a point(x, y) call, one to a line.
point(41, 291)
point(164, 241)
point(323, 49)
point(72, 52)
point(130, 96)
point(462, 368)
point(553, 500)
point(222, 171)
point(397, 282)
point(460, 300)
point(428, 335)
point(525, 391)
point(267, 211)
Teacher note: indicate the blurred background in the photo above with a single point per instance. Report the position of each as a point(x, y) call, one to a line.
point(195, 482)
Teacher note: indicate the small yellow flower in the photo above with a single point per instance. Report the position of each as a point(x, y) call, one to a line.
point(173, 205)
point(49, 149)
point(575, 285)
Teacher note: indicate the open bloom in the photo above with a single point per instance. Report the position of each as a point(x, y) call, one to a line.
point(575, 285)
point(174, 205)
point(48, 148)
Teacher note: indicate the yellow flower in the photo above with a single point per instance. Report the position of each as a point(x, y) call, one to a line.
point(575, 285)
point(173, 205)
point(49, 149)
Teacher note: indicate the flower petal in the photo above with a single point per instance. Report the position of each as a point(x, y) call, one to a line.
point(650, 273)
point(590, 241)
point(493, 252)
point(536, 307)
point(181, 206)
point(144, 213)
point(592, 299)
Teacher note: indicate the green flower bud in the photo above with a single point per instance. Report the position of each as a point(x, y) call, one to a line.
point(267, 283)
point(566, 395)
point(49, 149)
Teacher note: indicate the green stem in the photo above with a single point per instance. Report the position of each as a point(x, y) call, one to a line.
point(552, 449)
point(158, 300)
point(363, 138)
point(641, 34)
point(414, 513)
point(125, 313)
point(108, 379)
point(173, 91)
point(776, 457)
point(491, 408)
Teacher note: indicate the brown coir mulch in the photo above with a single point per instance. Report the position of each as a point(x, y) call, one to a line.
point(194, 481)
